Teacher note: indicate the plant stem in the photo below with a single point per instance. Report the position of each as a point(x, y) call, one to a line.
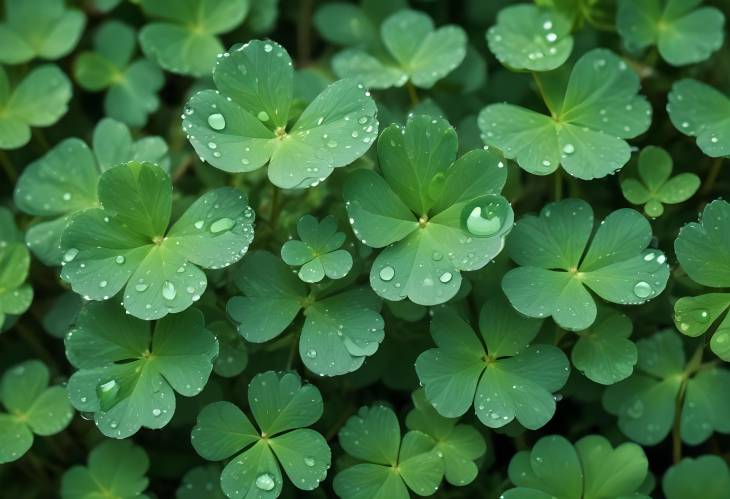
point(541, 91)
point(558, 177)
point(412, 93)
point(36, 345)
point(8, 167)
point(712, 175)
point(40, 137)
point(692, 366)
point(304, 31)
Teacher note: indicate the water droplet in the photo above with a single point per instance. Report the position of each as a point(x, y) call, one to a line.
point(311, 353)
point(308, 461)
point(445, 277)
point(199, 224)
point(486, 219)
point(168, 291)
point(107, 393)
point(156, 412)
point(568, 148)
point(70, 255)
point(263, 116)
point(102, 284)
point(636, 410)
point(119, 259)
point(66, 196)
point(217, 121)
point(387, 273)
point(436, 256)
point(265, 482)
point(221, 225)
point(141, 287)
point(268, 48)
point(642, 289)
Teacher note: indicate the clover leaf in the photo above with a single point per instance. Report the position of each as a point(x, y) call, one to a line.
point(497, 374)
point(131, 86)
point(15, 294)
point(390, 466)
point(603, 352)
point(282, 408)
point(683, 33)
point(560, 256)
point(31, 408)
point(159, 268)
point(699, 110)
point(655, 186)
point(42, 28)
point(115, 469)
point(590, 117)
point(645, 402)
point(351, 25)
point(458, 444)
point(412, 50)
point(39, 100)
point(703, 253)
point(232, 352)
point(705, 476)
point(245, 124)
point(590, 469)
point(530, 37)
point(318, 252)
point(127, 375)
point(341, 329)
point(435, 215)
point(64, 181)
point(185, 41)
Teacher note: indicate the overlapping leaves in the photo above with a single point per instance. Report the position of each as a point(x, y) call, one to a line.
point(319, 251)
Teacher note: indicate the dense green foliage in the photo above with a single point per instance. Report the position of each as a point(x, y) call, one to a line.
point(368, 249)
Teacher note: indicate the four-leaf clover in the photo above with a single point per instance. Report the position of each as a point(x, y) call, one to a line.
point(319, 252)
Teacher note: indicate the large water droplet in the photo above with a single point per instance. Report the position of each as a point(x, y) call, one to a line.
point(141, 287)
point(217, 121)
point(308, 461)
point(568, 148)
point(221, 225)
point(445, 277)
point(642, 289)
point(265, 482)
point(70, 255)
point(486, 219)
point(387, 273)
point(119, 259)
point(107, 393)
point(168, 291)
point(156, 412)
point(263, 116)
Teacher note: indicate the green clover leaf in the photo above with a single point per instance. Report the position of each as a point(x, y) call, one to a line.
point(341, 329)
point(458, 444)
point(412, 50)
point(699, 110)
point(390, 466)
point(497, 374)
point(645, 402)
point(351, 25)
point(683, 33)
point(127, 375)
point(131, 86)
point(318, 253)
point(705, 476)
point(282, 408)
point(435, 215)
point(39, 100)
point(655, 186)
point(32, 408)
point(590, 469)
point(245, 124)
point(232, 352)
point(527, 37)
point(63, 181)
point(604, 353)
point(703, 253)
point(15, 294)
point(115, 469)
point(559, 259)
point(185, 41)
point(42, 28)
point(159, 268)
point(590, 117)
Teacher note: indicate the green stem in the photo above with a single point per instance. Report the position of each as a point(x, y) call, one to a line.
point(304, 31)
point(36, 345)
point(292, 351)
point(412, 93)
point(712, 175)
point(40, 137)
point(8, 167)
point(543, 95)
point(694, 364)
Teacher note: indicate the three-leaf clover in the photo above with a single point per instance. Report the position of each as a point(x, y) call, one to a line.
point(39, 100)
point(127, 375)
point(560, 256)
point(683, 33)
point(435, 215)
point(282, 408)
point(245, 124)
point(705, 476)
point(131, 86)
point(703, 251)
point(64, 181)
point(530, 37)
point(655, 186)
point(592, 469)
point(319, 252)
point(185, 41)
point(590, 116)
point(127, 244)
point(645, 403)
point(390, 466)
point(15, 294)
point(502, 375)
point(341, 328)
point(115, 469)
point(699, 110)
point(31, 408)
point(410, 49)
point(41, 28)
point(458, 444)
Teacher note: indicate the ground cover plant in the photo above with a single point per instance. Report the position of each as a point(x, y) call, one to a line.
point(371, 249)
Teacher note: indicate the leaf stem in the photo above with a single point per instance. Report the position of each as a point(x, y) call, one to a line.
point(304, 32)
point(541, 91)
point(8, 167)
point(412, 93)
point(712, 175)
point(693, 365)
point(275, 206)
point(40, 137)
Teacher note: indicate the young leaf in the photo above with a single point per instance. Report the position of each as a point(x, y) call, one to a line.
point(246, 123)
point(699, 110)
point(127, 244)
point(706, 476)
point(683, 33)
point(318, 253)
point(590, 117)
point(31, 408)
point(435, 215)
point(282, 409)
point(131, 86)
point(559, 259)
point(127, 375)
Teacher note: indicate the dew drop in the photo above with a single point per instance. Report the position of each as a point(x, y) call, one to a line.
point(221, 225)
point(568, 148)
point(642, 289)
point(265, 482)
point(141, 287)
point(263, 116)
point(199, 224)
point(168, 291)
point(308, 461)
point(387, 273)
point(217, 121)
point(119, 259)
point(311, 353)
point(70, 255)
point(156, 412)
point(486, 219)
